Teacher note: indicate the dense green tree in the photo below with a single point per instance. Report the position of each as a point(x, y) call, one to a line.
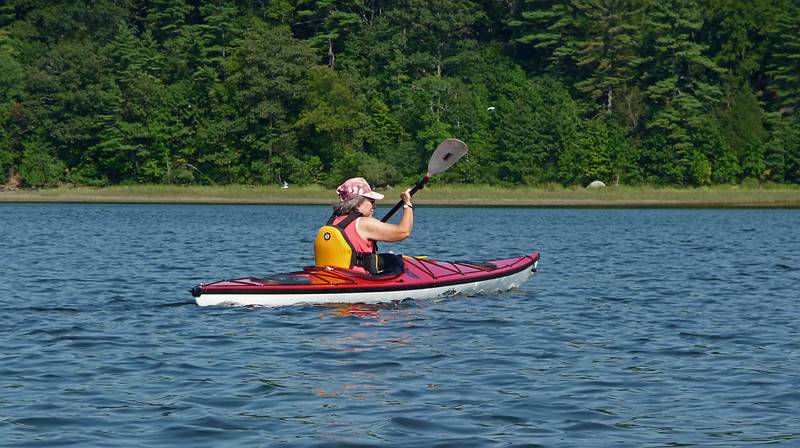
point(265, 88)
point(7, 13)
point(360, 164)
point(7, 16)
point(219, 30)
point(74, 97)
point(742, 120)
point(699, 169)
point(7, 155)
point(735, 32)
point(436, 31)
point(587, 157)
point(142, 142)
point(326, 24)
point(784, 66)
point(743, 126)
point(39, 166)
point(12, 78)
point(428, 111)
point(711, 147)
point(383, 133)
point(607, 55)
point(532, 123)
point(220, 91)
point(334, 115)
point(656, 160)
point(135, 55)
point(433, 35)
point(166, 18)
point(790, 136)
point(681, 80)
point(435, 107)
point(551, 28)
point(625, 155)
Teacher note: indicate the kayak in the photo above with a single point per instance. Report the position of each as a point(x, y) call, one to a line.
point(412, 277)
point(416, 278)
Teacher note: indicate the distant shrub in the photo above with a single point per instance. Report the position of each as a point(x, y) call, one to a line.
point(40, 167)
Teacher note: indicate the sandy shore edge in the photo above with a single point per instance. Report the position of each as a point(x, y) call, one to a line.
point(451, 196)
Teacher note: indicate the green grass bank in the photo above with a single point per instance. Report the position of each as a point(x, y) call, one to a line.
point(471, 195)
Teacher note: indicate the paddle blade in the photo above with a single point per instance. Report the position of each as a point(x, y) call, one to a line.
point(447, 153)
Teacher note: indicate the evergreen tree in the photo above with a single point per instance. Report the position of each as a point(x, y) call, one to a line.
point(74, 96)
point(433, 32)
point(681, 83)
point(7, 17)
point(7, 13)
point(606, 56)
point(135, 55)
point(218, 31)
point(12, 76)
point(533, 122)
point(8, 157)
point(334, 114)
point(166, 18)
point(384, 136)
point(742, 123)
point(552, 29)
point(263, 94)
point(784, 66)
point(735, 31)
point(790, 136)
point(711, 159)
point(12, 88)
point(326, 24)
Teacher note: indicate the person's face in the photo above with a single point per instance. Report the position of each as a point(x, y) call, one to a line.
point(367, 207)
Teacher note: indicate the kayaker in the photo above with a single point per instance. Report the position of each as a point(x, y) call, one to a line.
point(349, 239)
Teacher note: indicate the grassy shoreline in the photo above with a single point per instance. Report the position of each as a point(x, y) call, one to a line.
point(465, 195)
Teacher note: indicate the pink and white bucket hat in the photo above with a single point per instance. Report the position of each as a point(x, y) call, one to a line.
point(355, 187)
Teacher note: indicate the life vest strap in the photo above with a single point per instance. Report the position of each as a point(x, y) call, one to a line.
point(345, 222)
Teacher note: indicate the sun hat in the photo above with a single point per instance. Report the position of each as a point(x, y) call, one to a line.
point(355, 187)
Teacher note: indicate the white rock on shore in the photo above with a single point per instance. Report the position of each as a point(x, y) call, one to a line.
point(596, 184)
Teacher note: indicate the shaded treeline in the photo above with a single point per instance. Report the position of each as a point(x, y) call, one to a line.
point(687, 92)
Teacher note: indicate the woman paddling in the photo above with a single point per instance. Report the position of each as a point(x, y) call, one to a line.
point(349, 239)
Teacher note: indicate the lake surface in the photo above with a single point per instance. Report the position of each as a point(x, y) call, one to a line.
point(642, 328)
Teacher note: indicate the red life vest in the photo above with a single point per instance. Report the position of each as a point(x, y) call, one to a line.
point(359, 244)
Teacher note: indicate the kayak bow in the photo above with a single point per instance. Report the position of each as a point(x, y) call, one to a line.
point(420, 278)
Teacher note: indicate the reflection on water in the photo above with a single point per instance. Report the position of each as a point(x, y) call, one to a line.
point(362, 310)
point(373, 313)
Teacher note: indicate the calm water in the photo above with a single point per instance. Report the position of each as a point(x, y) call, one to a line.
point(642, 328)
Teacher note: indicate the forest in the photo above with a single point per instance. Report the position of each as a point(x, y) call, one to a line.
point(214, 92)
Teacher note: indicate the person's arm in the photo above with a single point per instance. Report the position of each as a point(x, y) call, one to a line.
point(373, 229)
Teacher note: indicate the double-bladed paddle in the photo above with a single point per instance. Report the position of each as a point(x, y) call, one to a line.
point(447, 153)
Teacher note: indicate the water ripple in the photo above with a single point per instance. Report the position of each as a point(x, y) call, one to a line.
point(642, 328)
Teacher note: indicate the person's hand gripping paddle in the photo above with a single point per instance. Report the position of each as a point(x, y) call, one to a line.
point(446, 155)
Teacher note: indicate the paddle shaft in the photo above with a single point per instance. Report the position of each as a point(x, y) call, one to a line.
point(418, 186)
